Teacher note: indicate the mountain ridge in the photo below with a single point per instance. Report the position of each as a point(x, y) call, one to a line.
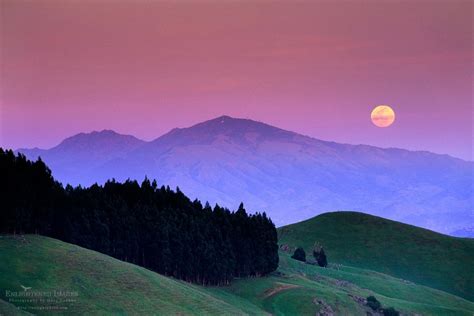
point(291, 176)
point(177, 129)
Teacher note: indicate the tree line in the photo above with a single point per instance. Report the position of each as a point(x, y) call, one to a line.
point(154, 227)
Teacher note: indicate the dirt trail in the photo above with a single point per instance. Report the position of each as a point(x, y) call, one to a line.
point(280, 287)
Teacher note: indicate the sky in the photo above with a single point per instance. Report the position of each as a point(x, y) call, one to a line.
point(314, 67)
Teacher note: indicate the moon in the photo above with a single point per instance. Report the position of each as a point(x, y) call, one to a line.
point(382, 116)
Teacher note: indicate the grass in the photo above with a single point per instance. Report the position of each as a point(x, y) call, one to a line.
point(296, 288)
point(10, 309)
point(108, 286)
point(404, 251)
point(104, 285)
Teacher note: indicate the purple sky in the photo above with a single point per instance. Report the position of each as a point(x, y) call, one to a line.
point(313, 67)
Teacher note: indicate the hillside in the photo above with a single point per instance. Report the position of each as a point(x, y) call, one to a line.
point(108, 286)
point(104, 285)
point(302, 289)
point(389, 247)
point(290, 176)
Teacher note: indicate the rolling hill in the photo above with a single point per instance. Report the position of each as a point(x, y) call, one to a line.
point(104, 285)
point(290, 176)
point(389, 247)
point(303, 289)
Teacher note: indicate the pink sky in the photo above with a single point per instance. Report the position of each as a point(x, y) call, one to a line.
point(313, 67)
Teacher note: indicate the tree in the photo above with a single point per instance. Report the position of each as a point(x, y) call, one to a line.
point(373, 303)
point(299, 254)
point(320, 256)
point(390, 311)
point(157, 228)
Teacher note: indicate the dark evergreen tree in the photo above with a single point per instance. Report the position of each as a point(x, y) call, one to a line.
point(156, 228)
point(320, 257)
point(299, 254)
point(390, 312)
point(373, 303)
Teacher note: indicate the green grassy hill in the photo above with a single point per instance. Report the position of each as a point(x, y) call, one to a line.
point(302, 289)
point(103, 284)
point(108, 286)
point(408, 252)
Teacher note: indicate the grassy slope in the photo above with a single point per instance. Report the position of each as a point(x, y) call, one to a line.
point(294, 288)
point(408, 252)
point(10, 309)
point(105, 285)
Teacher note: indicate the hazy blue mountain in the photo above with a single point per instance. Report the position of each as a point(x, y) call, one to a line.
point(466, 232)
point(75, 158)
point(290, 176)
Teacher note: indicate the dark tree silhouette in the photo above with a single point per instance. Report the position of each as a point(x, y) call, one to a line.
point(390, 311)
point(319, 255)
point(373, 303)
point(299, 254)
point(157, 228)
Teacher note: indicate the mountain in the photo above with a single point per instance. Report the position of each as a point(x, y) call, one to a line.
point(404, 251)
point(75, 158)
point(99, 284)
point(290, 176)
point(466, 232)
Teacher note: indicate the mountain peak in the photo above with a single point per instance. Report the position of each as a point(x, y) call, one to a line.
point(226, 119)
point(230, 129)
point(240, 125)
point(102, 133)
point(100, 141)
point(105, 132)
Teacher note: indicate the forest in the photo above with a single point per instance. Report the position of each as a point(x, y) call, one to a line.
point(151, 226)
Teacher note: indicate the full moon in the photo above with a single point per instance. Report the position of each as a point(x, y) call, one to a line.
point(382, 116)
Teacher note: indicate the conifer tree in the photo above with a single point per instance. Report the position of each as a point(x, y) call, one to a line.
point(299, 254)
point(319, 255)
point(157, 228)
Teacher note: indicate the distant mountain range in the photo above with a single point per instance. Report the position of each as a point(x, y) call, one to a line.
point(466, 232)
point(288, 175)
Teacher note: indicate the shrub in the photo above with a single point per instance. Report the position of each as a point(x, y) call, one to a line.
point(320, 257)
point(299, 254)
point(390, 311)
point(373, 303)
